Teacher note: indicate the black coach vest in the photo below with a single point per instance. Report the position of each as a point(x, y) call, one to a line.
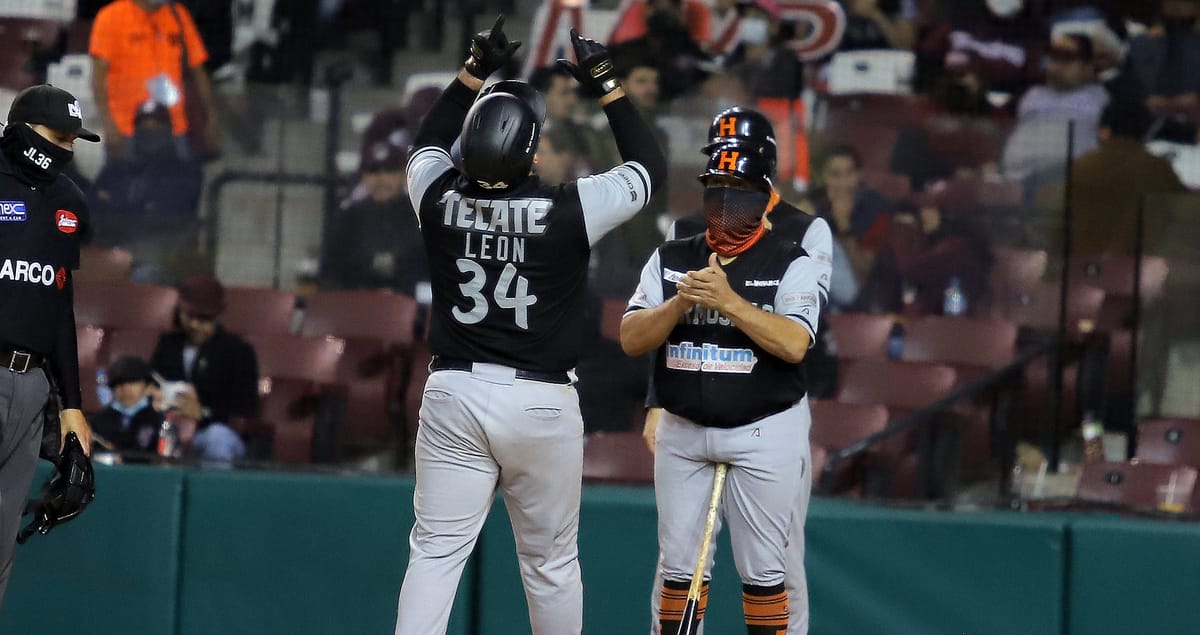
point(709, 371)
point(508, 271)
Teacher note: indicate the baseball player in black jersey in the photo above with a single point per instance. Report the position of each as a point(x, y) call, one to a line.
point(753, 131)
point(43, 217)
point(508, 259)
point(801, 229)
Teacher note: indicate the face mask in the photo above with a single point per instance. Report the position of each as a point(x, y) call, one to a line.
point(36, 161)
point(753, 31)
point(129, 411)
point(151, 144)
point(734, 218)
point(1005, 8)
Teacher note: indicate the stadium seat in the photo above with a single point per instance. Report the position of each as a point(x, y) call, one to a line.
point(378, 330)
point(1016, 271)
point(1115, 275)
point(122, 304)
point(611, 312)
point(973, 346)
point(89, 340)
point(902, 385)
point(103, 264)
point(295, 372)
point(1169, 441)
point(1137, 485)
point(836, 425)
point(258, 311)
point(418, 373)
point(136, 342)
point(32, 33)
point(617, 457)
point(1038, 309)
point(895, 187)
point(859, 335)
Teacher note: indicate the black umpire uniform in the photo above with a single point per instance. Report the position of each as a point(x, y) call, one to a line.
point(43, 217)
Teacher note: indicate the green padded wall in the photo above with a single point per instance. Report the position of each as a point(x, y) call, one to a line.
point(1134, 576)
point(875, 571)
point(268, 553)
point(113, 570)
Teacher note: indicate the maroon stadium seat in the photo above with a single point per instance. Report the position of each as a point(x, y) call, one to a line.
point(377, 327)
point(611, 312)
point(100, 264)
point(89, 340)
point(30, 32)
point(904, 385)
point(970, 342)
point(896, 187)
point(295, 371)
point(836, 425)
point(1039, 309)
point(860, 335)
point(1169, 441)
point(122, 304)
point(136, 342)
point(1137, 485)
point(1115, 274)
point(617, 457)
point(258, 311)
point(1016, 271)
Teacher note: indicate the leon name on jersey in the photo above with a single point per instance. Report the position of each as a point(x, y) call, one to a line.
point(496, 229)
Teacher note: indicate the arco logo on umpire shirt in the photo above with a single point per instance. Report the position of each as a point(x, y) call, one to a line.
point(31, 272)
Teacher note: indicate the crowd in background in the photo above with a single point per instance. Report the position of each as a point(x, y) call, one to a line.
point(1051, 81)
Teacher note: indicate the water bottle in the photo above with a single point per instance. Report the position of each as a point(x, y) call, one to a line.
point(955, 304)
point(895, 341)
point(1092, 430)
point(104, 392)
point(168, 438)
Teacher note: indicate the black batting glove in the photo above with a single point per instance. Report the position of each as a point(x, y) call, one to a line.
point(595, 71)
point(490, 51)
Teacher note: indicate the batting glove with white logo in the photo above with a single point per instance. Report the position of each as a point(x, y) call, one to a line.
point(595, 70)
point(490, 51)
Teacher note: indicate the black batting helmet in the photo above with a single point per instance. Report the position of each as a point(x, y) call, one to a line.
point(500, 136)
point(744, 125)
point(740, 160)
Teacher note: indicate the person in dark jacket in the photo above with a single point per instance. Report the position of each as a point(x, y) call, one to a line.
point(218, 371)
point(129, 421)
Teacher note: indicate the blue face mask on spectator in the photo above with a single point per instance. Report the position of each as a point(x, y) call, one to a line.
point(129, 411)
point(753, 31)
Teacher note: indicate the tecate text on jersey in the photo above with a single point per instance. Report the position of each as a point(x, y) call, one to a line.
point(497, 228)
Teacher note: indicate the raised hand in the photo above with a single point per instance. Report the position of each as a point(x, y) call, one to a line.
point(490, 50)
point(594, 70)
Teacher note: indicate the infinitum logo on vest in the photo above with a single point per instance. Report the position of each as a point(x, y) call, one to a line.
point(25, 271)
point(710, 358)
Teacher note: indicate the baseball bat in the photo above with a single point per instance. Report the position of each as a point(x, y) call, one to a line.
point(689, 625)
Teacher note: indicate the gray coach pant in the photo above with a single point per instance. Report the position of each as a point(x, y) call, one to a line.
point(22, 399)
point(795, 578)
point(479, 431)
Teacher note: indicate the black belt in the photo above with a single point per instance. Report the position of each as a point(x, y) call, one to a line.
point(19, 361)
point(444, 363)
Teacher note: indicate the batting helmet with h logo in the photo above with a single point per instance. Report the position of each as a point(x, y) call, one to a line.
point(739, 160)
point(746, 126)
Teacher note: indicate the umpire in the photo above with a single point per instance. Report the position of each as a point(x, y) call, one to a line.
point(42, 218)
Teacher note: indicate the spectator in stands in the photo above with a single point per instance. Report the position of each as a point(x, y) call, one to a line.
point(925, 250)
point(138, 51)
point(1108, 184)
point(761, 58)
point(1165, 61)
point(1046, 112)
point(129, 421)
point(558, 88)
point(879, 24)
point(977, 47)
point(858, 215)
point(220, 371)
point(556, 160)
point(674, 35)
point(145, 200)
point(374, 241)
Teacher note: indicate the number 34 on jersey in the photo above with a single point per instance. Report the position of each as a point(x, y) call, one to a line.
point(511, 293)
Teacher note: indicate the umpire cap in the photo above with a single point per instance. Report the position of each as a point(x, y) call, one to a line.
point(744, 125)
point(51, 107)
point(741, 160)
point(500, 135)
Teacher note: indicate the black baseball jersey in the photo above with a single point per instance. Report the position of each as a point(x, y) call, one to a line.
point(509, 269)
point(40, 231)
point(708, 370)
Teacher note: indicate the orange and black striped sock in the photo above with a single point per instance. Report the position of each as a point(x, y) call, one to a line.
point(674, 599)
point(766, 609)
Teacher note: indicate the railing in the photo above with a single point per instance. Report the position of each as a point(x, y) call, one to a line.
point(924, 416)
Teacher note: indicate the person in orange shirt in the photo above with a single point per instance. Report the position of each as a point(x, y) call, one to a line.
point(137, 47)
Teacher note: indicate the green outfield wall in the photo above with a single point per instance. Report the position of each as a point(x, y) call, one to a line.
point(192, 552)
